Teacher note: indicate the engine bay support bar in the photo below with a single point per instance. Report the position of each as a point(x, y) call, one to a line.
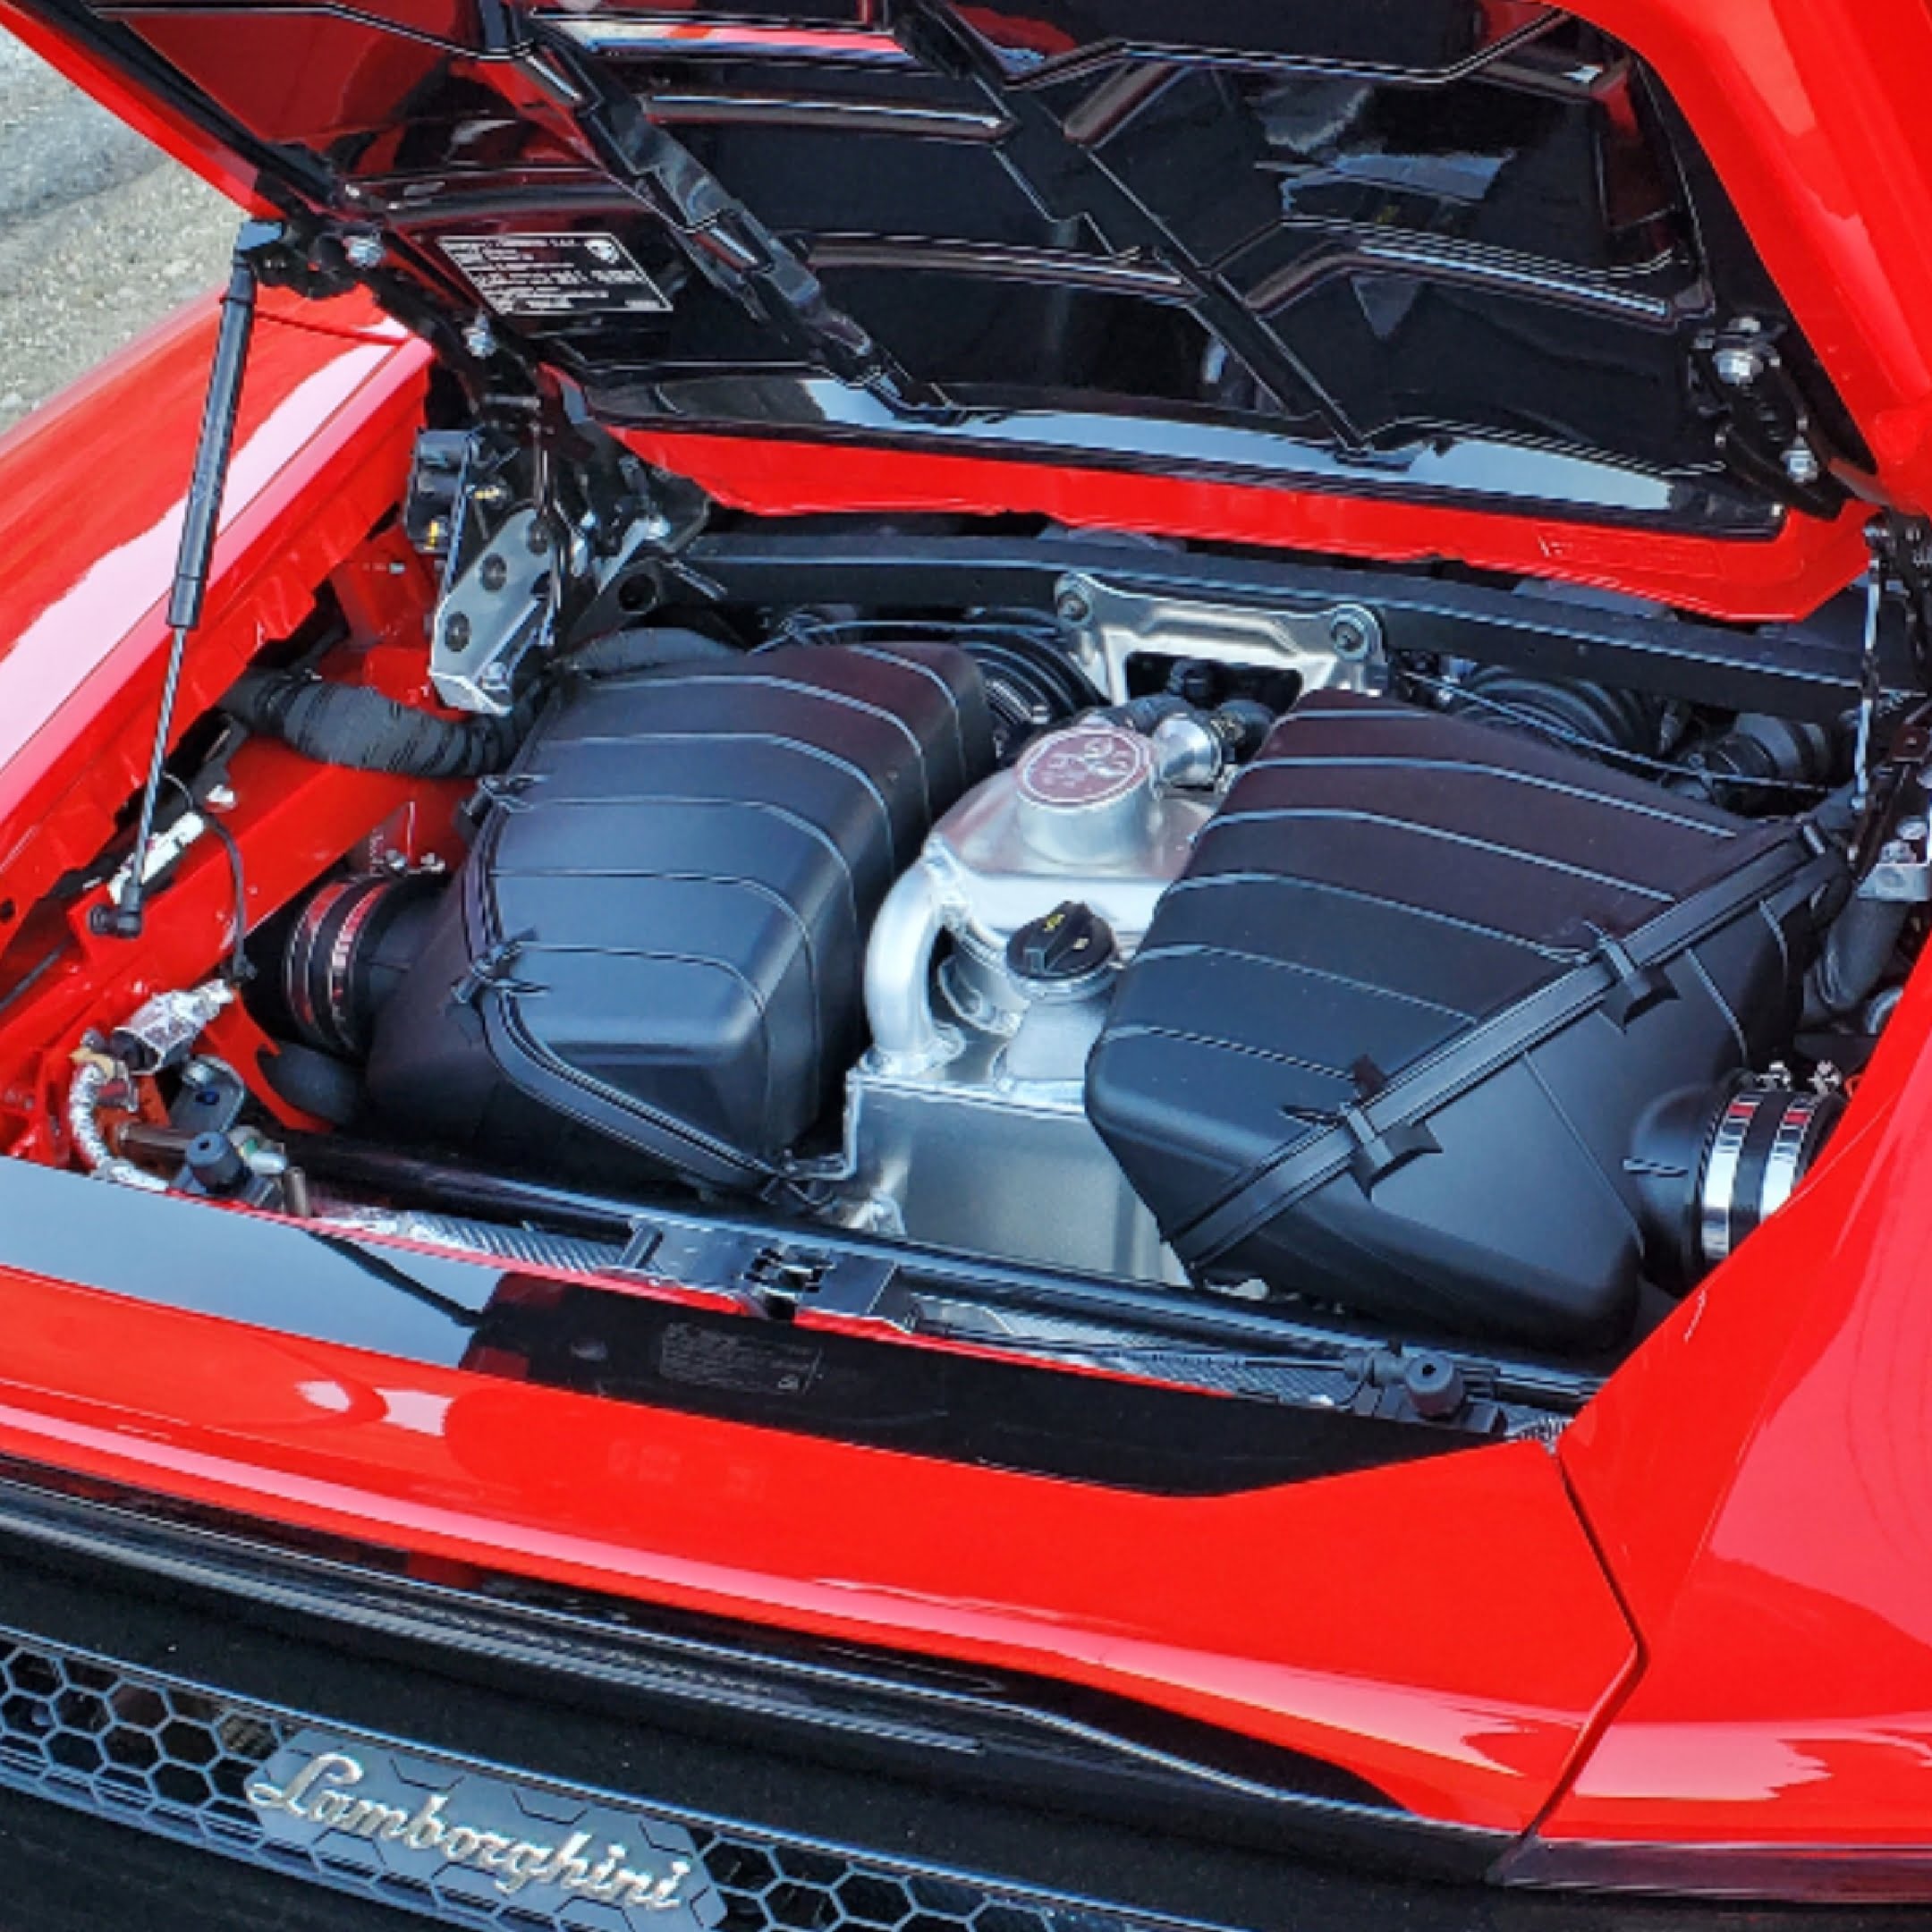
point(1810, 671)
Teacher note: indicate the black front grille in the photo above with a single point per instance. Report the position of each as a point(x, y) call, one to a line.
point(176, 1758)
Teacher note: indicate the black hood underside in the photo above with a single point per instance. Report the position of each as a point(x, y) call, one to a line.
point(1429, 247)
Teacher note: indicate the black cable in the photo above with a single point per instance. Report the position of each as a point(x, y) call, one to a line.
point(1606, 754)
point(239, 971)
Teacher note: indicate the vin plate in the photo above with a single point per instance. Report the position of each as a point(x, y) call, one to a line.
point(554, 274)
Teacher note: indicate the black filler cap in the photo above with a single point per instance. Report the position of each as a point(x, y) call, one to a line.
point(1068, 944)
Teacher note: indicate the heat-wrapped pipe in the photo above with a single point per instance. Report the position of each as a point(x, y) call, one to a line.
point(83, 1126)
point(351, 726)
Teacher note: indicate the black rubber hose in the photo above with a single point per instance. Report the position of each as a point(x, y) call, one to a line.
point(351, 726)
point(1857, 950)
point(1143, 713)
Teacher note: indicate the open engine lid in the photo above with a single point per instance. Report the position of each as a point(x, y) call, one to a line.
point(1448, 251)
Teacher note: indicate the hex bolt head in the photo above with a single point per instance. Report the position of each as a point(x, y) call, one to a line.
point(363, 250)
point(493, 572)
point(1351, 634)
point(1074, 607)
point(456, 631)
point(493, 679)
point(479, 338)
point(1738, 367)
point(1801, 464)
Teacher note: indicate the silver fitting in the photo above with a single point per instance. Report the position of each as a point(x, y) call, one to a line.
point(162, 1029)
point(1187, 755)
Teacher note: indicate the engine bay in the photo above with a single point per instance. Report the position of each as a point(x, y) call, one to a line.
point(1154, 930)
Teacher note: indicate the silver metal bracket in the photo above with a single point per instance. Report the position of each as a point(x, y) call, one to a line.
point(491, 615)
point(1902, 871)
point(1329, 646)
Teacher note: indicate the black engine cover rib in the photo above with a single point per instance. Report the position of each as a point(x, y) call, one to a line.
point(1389, 1039)
point(660, 934)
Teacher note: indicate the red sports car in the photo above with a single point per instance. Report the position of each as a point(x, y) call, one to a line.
point(956, 975)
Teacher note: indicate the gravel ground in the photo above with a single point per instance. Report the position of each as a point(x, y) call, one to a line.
point(100, 234)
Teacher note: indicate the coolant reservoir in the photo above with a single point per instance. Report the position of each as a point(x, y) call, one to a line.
point(1082, 816)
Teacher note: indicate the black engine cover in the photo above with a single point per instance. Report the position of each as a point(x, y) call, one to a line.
point(1390, 1038)
point(659, 936)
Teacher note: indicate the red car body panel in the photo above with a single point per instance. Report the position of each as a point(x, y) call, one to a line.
point(331, 392)
point(1759, 1478)
point(1708, 1617)
point(1471, 1718)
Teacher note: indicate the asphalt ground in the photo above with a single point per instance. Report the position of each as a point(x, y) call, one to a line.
point(100, 235)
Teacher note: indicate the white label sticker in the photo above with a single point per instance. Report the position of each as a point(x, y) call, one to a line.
point(554, 274)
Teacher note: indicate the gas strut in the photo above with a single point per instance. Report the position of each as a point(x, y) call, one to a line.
point(200, 520)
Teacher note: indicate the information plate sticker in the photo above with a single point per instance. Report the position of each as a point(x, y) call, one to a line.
point(554, 274)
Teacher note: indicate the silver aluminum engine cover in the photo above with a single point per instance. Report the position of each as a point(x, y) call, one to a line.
point(966, 1122)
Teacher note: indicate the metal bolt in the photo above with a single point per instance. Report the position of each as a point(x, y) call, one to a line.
point(363, 250)
point(1914, 830)
point(456, 631)
point(1074, 607)
point(219, 798)
point(1897, 851)
point(494, 679)
point(1352, 633)
point(1801, 465)
point(494, 572)
point(536, 537)
point(654, 526)
point(1738, 367)
point(479, 338)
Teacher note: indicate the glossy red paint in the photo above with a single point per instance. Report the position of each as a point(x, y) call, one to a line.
point(320, 457)
point(1313, 1616)
point(1759, 1480)
point(1785, 577)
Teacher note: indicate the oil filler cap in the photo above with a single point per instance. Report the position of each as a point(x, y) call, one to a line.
point(1062, 949)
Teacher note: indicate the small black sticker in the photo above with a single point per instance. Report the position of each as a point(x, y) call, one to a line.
point(554, 274)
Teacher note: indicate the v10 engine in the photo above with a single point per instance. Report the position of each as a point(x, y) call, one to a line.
point(1400, 1013)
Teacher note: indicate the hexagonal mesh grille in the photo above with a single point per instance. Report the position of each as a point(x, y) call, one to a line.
point(172, 1758)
